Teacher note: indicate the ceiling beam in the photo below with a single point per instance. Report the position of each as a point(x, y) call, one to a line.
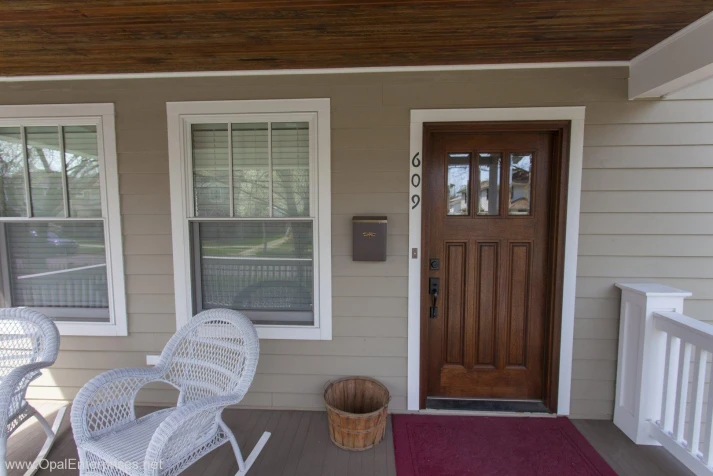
point(681, 60)
point(702, 90)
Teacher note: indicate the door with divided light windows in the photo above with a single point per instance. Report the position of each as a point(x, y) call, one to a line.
point(490, 196)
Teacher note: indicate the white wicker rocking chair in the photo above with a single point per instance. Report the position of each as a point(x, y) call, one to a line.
point(211, 361)
point(29, 342)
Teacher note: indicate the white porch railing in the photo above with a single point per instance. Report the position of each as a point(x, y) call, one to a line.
point(662, 375)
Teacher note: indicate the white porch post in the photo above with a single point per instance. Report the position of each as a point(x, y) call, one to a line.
point(642, 357)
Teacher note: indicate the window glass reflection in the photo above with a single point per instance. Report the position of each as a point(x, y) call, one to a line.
point(520, 173)
point(489, 183)
point(458, 184)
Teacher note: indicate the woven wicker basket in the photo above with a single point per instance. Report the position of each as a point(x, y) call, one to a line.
point(357, 410)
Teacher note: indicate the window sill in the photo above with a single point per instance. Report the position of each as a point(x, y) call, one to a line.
point(293, 333)
point(90, 329)
point(276, 332)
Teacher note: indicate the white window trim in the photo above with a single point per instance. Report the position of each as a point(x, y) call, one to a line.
point(575, 115)
point(100, 115)
point(179, 114)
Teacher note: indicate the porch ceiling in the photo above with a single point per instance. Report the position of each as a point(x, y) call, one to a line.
point(44, 37)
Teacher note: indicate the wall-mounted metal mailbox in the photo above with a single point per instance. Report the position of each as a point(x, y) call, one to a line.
point(369, 238)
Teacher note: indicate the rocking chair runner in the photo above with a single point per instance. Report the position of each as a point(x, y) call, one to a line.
point(29, 342)
point(211, 361)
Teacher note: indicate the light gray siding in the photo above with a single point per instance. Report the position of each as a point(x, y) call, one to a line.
point(646, 203)
point(647, 194)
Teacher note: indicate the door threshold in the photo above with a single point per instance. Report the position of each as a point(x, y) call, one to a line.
point(483, 405)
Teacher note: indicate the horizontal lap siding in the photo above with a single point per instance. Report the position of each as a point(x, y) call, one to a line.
point(369, 176)
point(634, 212)
point(647, 194)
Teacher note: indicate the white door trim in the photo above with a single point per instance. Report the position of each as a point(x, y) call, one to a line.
point(418, 117)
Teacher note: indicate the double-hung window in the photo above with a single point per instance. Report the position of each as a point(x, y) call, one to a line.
point(251, 212)
point(60, 230)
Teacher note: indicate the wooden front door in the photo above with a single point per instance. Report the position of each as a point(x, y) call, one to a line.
point(488, 249)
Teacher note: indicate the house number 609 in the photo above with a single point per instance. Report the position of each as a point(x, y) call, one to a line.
point(415, 181)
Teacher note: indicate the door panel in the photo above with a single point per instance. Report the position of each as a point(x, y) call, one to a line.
point(487, 217)
point(486, 315)
point(455, 305)
point(518, 300)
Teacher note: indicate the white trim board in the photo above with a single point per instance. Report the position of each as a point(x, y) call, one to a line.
point(681, 60)
point(278, 72)
point(673, 38)
point(573, 114)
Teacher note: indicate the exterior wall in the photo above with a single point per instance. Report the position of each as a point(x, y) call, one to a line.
point(646, 216)
point(647, 188)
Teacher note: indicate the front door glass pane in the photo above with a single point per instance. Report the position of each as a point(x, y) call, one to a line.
point(489, 183)
point(520, 174)
point(458, 184)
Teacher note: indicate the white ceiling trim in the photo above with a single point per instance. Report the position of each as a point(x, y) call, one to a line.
point(278, 72)
point(681, 60)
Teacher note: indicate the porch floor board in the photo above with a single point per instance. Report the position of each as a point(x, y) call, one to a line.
point(624, 456)
point(300, 446)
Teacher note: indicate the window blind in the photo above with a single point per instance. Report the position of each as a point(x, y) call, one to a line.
point(45, 162)
point(57, 264)
point(258, 266)
point(270, 165)
point(251, 170)
point(82, 165)
point(12, 173)
point(52, 153)
point(211, 175)
point(290, 170)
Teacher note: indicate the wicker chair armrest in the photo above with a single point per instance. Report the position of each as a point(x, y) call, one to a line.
point(184, 431)
point(15, 383)
point(107, 400)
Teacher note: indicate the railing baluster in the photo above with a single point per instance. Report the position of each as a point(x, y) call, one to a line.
point(707, 420)
point(684, 368)
point(669, 386)
point(693, 433)
point(663, 391)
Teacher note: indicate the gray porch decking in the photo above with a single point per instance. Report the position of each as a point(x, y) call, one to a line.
point(300, 446)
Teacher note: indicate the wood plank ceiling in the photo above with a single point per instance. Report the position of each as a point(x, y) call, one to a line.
point(43, 37)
